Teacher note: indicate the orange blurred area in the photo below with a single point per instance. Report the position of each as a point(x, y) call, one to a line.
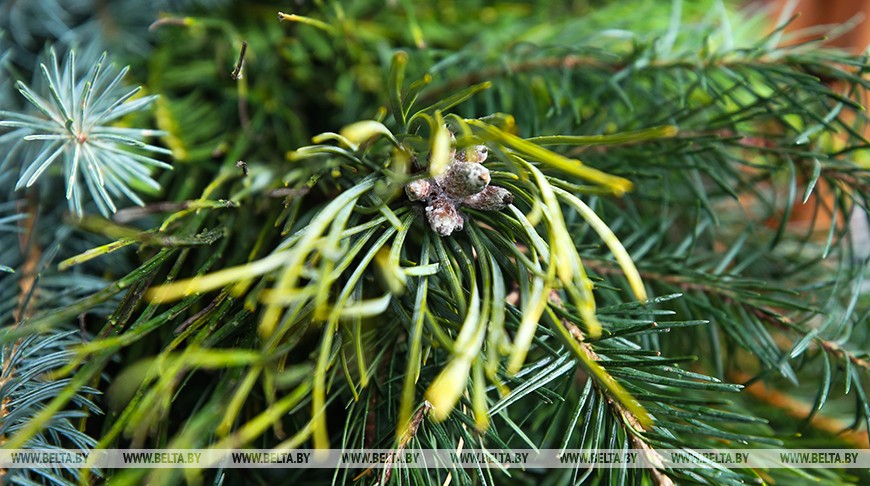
point(831, 12)
point(815, 18)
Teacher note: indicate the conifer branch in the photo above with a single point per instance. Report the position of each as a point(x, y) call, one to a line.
point(634, 427)
point(799, 410)
point(429, 270)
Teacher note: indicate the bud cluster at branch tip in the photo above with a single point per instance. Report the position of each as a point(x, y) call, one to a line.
point(465, 182)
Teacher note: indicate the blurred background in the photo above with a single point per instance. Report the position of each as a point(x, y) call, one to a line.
point(821, 13)
point(815, 17)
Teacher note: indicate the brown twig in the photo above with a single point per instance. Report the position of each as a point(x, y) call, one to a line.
point(29, 270)
point(580, 62)
point(409, 434)
point(835, 349)
point(776, 320)
point(237, 72)
point(30, 267)
point(133, 213)
point(197, 316)
point(606, 267)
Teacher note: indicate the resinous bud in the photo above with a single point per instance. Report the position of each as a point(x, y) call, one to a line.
point(443, 216)
point(491, 198)
point(419, 190)
point(475, 154)
point(463, 179)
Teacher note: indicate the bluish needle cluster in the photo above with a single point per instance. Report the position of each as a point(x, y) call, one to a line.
point(74, 123)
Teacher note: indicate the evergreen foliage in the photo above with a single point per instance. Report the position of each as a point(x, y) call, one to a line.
point(74, 124)
point(682, 234)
